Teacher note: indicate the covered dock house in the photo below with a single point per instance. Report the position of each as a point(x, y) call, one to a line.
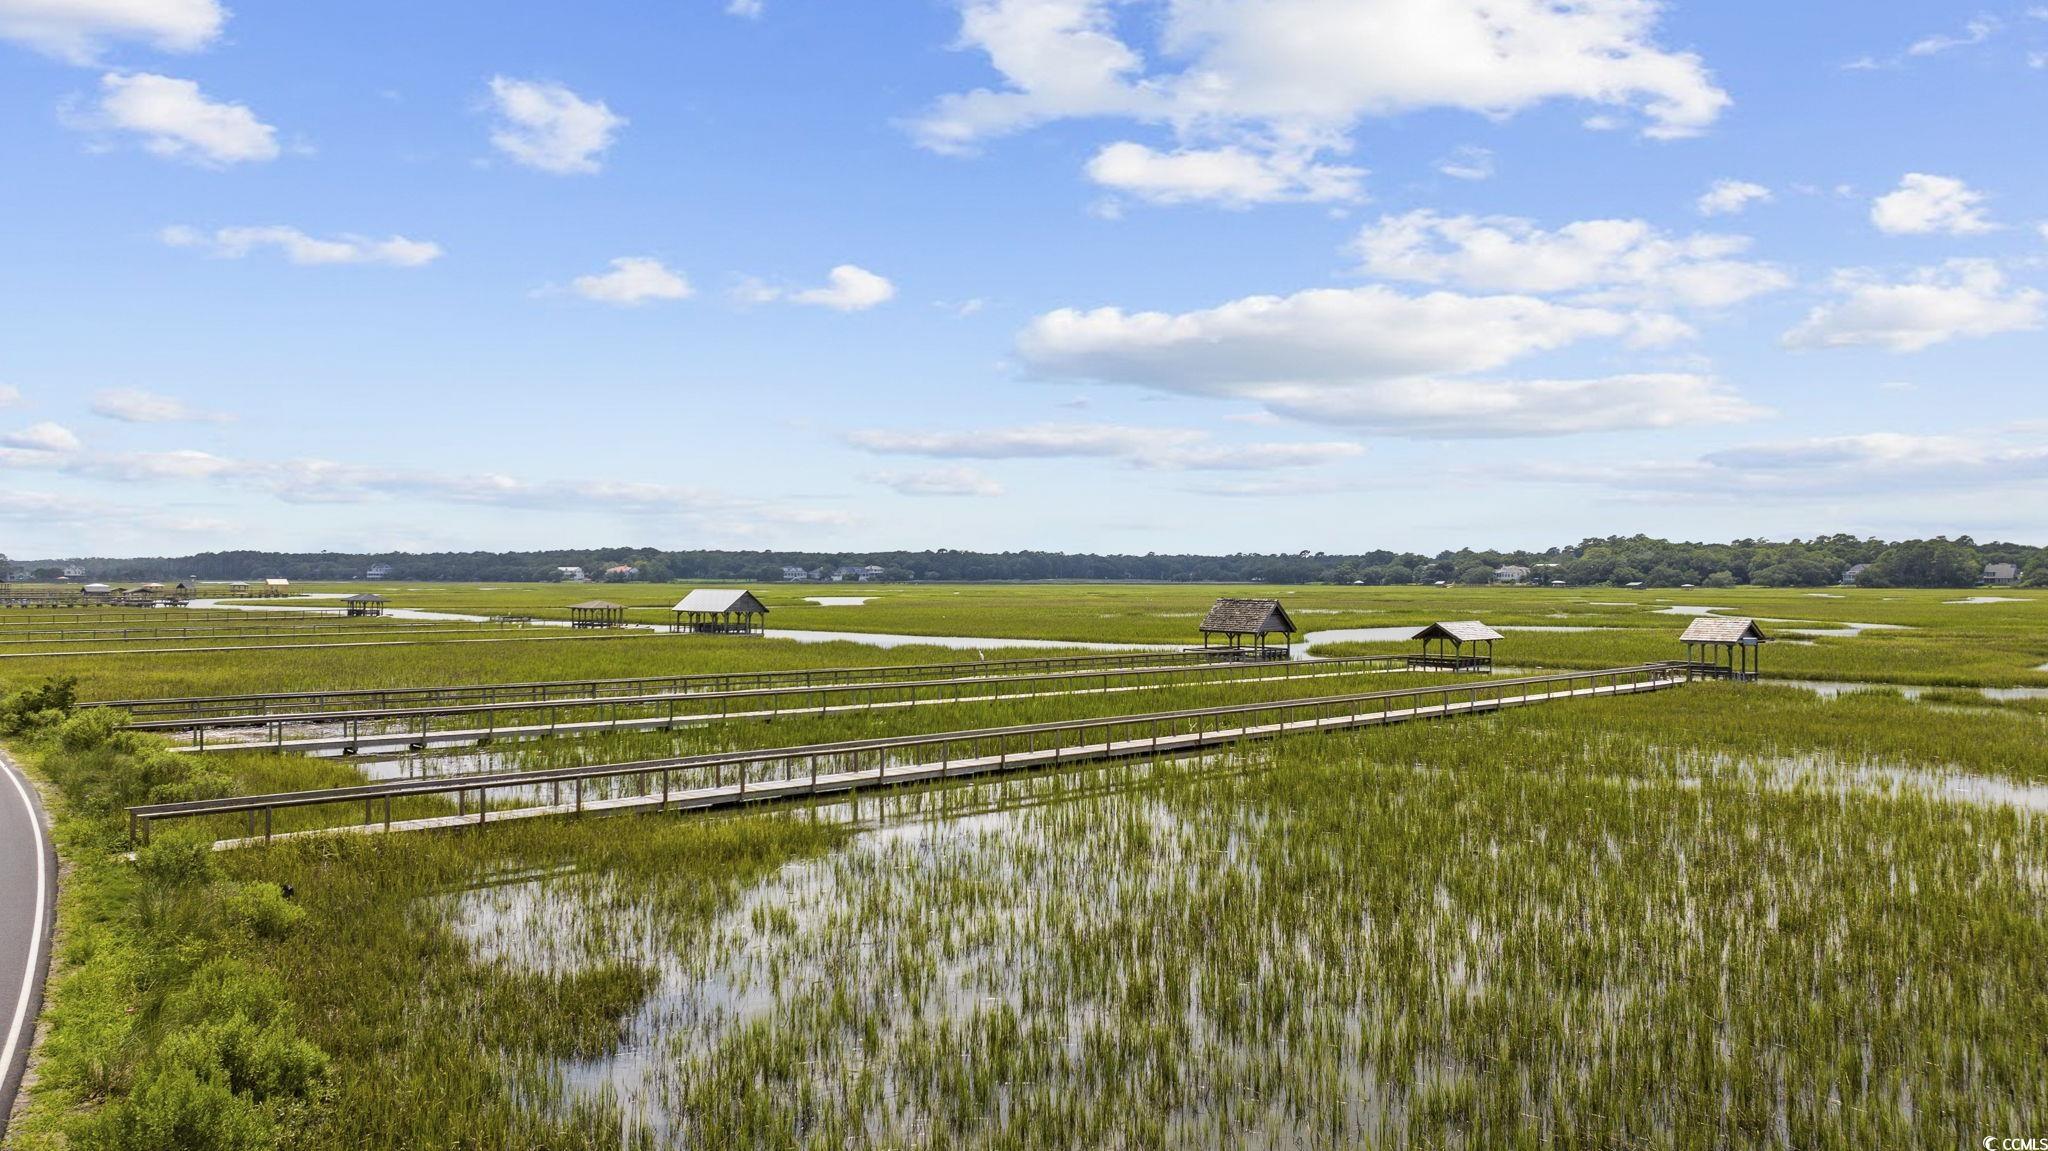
point(1238, 629)
point(597, 613)
point(721, 611)
point(1455, 646)
point(1723, 647)
point(366, 603)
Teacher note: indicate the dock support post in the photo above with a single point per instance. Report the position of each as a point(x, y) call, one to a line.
point(266, 825)
point(387, 813)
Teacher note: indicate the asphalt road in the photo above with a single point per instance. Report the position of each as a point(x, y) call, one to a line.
point(28, 890)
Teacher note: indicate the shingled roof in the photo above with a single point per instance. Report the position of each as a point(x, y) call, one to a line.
point(1248, 617)
point(1462, 631)
point(720, 599)
point(1723, 629)
point(597, 605)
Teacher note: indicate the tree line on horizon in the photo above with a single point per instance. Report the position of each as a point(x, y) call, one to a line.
point(1611, 561)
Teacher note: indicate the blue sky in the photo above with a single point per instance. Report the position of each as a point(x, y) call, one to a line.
point(1114, 275)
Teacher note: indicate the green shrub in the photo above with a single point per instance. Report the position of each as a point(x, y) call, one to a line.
point(260, 908)
point(31, 710)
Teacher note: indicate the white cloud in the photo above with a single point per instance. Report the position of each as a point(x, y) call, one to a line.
point(1293, 77)
point(318, 481)
point(1925, 203)
point(135, 406)
point(1468, 163)
point(633, 280)
point(1852, 465)
point(546, 126)
point(300, 248)
point(1602, 260)
point(9, 395)
point(938, 482)
point(751, 9)
point(1975, 32)
point(79, 30)
point(848, 288)
point(1958, 299)
point(42, 437)
point(1230, 176)
point(1374, 359)
point(1729, 197)
point(177, 121)
point(1173, 449)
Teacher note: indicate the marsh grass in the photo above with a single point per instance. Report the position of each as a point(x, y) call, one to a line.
point(1605, 923)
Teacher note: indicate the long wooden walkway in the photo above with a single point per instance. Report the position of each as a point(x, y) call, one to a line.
point(412, 728)
point(732, 779)
point(261, 706)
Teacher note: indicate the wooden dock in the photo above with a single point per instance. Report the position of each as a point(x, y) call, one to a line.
point(412, 728)
point(725, 780)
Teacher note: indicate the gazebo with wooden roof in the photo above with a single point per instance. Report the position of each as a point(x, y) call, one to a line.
point(597, 613)
point(721, 611)
point(1237, 629)
point(1723, 647)
point(1444, 644)
point(365, 604)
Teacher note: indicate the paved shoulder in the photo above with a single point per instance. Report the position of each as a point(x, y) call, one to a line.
point(28, 888)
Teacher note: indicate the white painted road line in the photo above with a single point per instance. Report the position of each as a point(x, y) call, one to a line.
point(21, 834)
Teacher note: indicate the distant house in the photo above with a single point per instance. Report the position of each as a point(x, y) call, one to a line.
point(850, 573)
point(621, 571)
point(2001, 575)
point(571, 575)
point(1511, 573)
point(96, 591)
point(277, 584)
point(792, 574)
point(1854, 574)
point(73, 571)
point(379, 571)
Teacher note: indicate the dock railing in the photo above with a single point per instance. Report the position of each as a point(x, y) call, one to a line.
point(725, 778)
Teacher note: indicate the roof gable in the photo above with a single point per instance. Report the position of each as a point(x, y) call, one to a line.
point(717, 599)
point(1723, 629)
point(1248, 617)
point(1461, 631)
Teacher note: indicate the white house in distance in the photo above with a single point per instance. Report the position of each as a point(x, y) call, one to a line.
point(2001, 575)
point(1854, 573)
point(379, 571)
point(792, 574)
point(277, 585)
point(1511, 573)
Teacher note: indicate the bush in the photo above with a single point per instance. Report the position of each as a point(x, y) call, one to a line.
point(33, 710)
point(260, 909)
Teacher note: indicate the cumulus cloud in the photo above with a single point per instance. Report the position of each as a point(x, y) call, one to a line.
point(1293, 77)
point(1956, 300)
point(42, 437)
point(633, 280)
point(1608, 261)
point(751, 9)
point(546, 126)
point(1374, 359)
point(1729, 197)
point(300, 248)
point(1173, 449)
point(847, 288)
point(938, 482)
point(176, 120)
point(1925, 203)
point(78, 31)
point(1230, 176)
point(135, 406)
